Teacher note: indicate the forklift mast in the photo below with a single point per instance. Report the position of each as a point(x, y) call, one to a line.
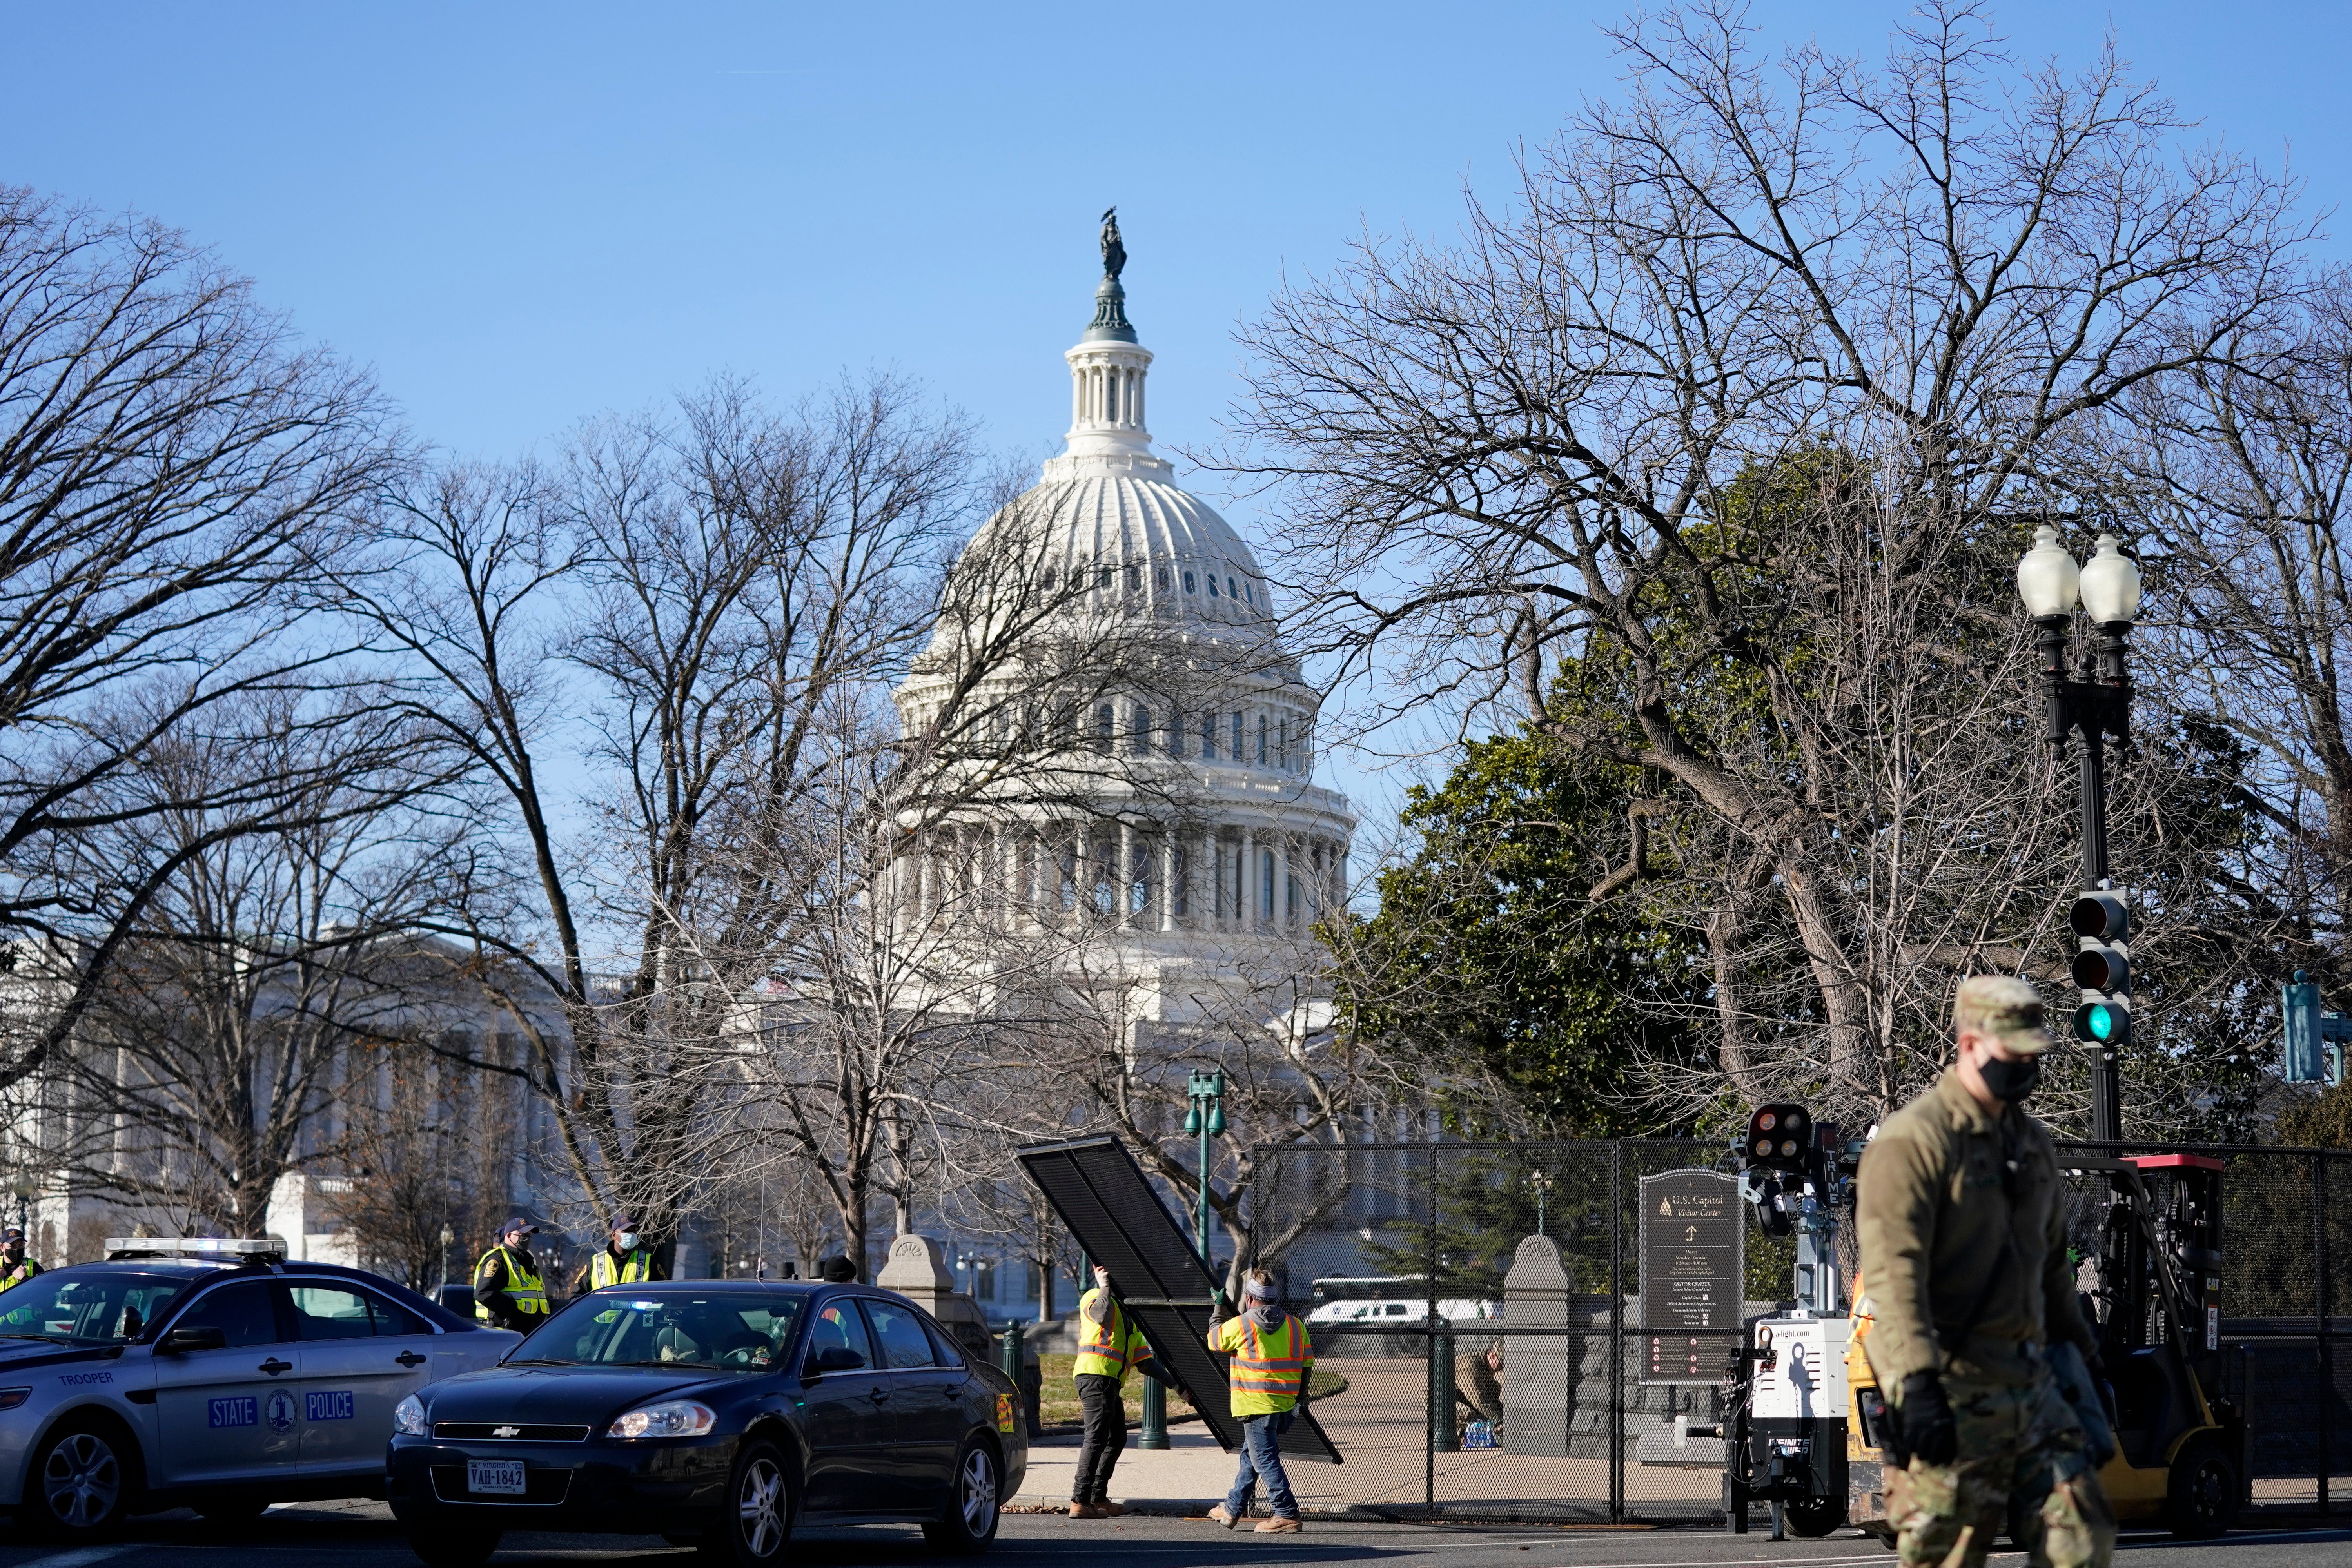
point(2183, 1228)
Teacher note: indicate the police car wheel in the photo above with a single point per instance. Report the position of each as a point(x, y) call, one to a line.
point(970, 1522)
point(446, 1548)
point(79, 1485)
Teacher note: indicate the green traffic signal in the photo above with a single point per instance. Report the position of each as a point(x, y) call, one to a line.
point(2102, 1023)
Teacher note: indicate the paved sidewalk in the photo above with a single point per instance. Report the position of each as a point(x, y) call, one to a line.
point(1187, 1476)
point(1378, 1422)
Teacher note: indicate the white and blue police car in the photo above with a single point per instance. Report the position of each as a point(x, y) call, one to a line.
point(209, 1373)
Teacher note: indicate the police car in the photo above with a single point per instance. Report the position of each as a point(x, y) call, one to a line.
point(209, 1373)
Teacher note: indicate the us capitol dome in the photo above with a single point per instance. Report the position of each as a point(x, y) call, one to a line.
point(1186, 831)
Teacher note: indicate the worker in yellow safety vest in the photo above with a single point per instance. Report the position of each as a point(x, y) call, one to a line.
point(14, 1267)
point(508, 1290)
point(1273, 1361)
point(625, 1261)
point(1109, 1347)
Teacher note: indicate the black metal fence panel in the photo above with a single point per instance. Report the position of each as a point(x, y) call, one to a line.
point(1104, 1199)
point(1402, 1258)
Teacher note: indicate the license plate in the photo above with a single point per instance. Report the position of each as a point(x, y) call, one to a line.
point(495, 1475)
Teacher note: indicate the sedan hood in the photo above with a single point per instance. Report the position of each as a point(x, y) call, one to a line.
point(587, 1395)
point(22, 1353)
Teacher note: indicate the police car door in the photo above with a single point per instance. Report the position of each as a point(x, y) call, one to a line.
point(228, 1415)
point(361, 1355)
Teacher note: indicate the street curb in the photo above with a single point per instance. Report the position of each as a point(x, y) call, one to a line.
point(1342, 1513)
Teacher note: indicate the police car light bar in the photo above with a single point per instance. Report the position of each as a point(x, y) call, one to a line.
point(268, 1249)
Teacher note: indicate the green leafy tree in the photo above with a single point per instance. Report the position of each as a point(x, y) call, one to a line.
point(1490, 950)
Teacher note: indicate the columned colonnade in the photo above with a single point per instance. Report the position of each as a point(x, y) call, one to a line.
point(1144, 877)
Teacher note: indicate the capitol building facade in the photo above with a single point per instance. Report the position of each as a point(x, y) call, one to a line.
point(1183, 827)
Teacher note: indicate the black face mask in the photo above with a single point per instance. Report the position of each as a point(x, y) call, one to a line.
point(2012, 1081)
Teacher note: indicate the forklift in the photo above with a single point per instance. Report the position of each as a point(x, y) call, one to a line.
point(1801, 1435)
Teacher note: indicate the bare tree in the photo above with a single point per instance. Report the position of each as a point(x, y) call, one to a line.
point(2239, 475)
point(700, 590)
point(221, 1048)
point(423, 1142)
point(1744, 410)
point(173, 467)
point(1259, 1011)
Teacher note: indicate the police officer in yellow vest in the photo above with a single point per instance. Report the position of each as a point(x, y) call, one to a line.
point(1273, 1360)
point(14, 1267)
point(625, 1261)
point(508, 1290)
point(1109, 1346)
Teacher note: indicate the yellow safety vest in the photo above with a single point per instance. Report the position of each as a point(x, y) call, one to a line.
point(1268, 1369)
point(528, 1291)
point(1106, 1349)
point(638, 1266)
point(18, 1275)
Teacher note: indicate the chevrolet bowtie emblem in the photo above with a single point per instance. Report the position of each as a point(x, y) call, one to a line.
point(506, 1431)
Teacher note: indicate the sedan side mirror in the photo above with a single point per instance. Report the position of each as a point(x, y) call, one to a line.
point(179, 1342)
point(835, 1358)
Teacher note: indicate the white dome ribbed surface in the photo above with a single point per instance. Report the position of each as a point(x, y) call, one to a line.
point(1152, 550)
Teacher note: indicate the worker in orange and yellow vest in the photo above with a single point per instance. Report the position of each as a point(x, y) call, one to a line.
point(1109, 1347)
point(1273, 1360)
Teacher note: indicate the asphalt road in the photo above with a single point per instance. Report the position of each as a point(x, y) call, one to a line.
point(363, 1536)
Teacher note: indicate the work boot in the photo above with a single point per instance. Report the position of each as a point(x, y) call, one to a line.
point(1278, 1525)
point(1085, 1510)
point(1110, 1509)
point(1219, 1514)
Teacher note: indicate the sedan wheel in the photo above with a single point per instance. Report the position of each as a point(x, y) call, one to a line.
point(758, 1519)
point(81, 1484)
point(971, 1521)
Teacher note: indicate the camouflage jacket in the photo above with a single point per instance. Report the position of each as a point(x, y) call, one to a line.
point(1942, 1185)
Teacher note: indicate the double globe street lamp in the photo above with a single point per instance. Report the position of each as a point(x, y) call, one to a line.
point(2097, 702)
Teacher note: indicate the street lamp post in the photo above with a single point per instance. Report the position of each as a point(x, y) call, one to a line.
point(1205, 1118)
point(2097, 702)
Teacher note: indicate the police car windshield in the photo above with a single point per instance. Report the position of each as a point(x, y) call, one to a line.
point(728, 1330)
point(100, 1307)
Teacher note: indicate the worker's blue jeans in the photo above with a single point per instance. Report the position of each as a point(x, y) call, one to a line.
point(1261, 1456)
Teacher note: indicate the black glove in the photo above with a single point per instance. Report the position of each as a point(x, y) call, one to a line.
point(1926, 1417)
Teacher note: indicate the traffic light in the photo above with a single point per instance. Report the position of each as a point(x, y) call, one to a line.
point(1779, 1138)
point(2103, 969)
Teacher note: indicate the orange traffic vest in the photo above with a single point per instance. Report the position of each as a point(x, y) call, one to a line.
point(1273, 1363)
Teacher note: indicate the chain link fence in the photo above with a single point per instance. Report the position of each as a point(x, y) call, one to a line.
point(1397, 1253)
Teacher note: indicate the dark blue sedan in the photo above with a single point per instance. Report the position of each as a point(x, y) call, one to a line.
point(720, 1413)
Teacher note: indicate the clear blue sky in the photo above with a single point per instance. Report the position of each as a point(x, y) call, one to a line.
point(522, 215)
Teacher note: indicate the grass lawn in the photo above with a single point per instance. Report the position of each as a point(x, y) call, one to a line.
point(1059, 1406)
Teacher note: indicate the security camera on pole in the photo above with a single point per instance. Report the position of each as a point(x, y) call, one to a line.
point(2097, 702)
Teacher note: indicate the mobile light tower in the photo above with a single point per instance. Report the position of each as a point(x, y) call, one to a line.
point(2097, 702)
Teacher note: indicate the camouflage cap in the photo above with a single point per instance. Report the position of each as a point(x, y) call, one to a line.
point(2004, 1007)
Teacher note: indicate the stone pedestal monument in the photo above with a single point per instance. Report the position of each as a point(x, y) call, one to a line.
point(1540, 1372)
point(917, 1269)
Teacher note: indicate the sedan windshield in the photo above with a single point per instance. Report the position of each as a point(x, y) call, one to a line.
point(74, 1307)
point(728, 1330)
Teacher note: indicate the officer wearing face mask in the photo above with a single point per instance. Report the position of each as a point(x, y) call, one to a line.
point(1963, 1231)
point(625, 1261)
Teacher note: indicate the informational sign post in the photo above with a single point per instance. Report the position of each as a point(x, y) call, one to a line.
point(1694, 1261)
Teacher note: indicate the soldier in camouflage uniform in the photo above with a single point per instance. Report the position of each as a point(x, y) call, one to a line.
point(1963, 1238)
